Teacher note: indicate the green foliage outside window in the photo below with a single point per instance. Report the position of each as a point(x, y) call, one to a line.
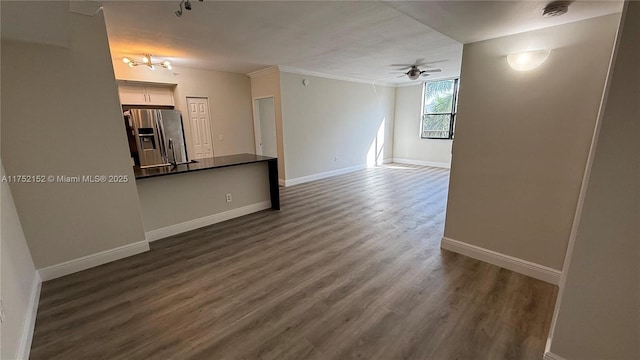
point(439, 109)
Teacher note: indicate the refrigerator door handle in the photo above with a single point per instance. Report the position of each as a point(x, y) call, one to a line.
point(161, 135)
point(174, 161)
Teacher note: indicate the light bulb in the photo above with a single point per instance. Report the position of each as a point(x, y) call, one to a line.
point(126, 60)
point(151, 67)
point(166, 64)
point(145, 59)
point(131, 64)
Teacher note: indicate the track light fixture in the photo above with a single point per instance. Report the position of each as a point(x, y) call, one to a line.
point(146, 60)
point(187, 6)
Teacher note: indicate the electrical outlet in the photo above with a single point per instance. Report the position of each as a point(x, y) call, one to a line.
point(220, 137)
point(229, 199)
point(335, 159)
point(2, 313)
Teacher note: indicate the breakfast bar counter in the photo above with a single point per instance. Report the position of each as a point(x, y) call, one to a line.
point(216, 163)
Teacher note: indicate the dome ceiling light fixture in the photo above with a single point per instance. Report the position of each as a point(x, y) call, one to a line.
point(146, 60)
point(556, 8)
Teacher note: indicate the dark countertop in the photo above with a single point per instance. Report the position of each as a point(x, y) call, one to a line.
point(201, 164)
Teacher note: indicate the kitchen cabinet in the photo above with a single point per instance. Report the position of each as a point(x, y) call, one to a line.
point(145, 95)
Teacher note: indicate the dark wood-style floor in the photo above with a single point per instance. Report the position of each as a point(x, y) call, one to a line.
point(349, 268)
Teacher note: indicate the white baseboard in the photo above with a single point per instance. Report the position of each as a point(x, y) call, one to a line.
point(524, 267)
point(93, 260)
point(387, 161)
point(171, 230)
point(422, 163)
point(551, 356)
point(324, 175)
point(281, 182)
point(24, 347)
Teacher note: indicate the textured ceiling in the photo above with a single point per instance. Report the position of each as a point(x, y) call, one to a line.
point(471, 21)
point(351, 39)
point(355, 39)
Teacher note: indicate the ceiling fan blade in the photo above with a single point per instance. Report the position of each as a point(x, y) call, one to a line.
point(397, 72)
point(403, 75)
point(406, 65)
point(431, 70)
point(424, 74)
point(431, 62)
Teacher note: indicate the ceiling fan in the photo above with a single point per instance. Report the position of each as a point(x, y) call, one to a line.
point(413, 71)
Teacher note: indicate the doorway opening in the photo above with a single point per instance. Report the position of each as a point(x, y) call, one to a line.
point(264, 116)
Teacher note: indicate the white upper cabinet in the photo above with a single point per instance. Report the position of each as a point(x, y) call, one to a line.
point(145, 95)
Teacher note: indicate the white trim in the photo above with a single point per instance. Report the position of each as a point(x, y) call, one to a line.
point(551, 356)
point(263, 72)
point(24, 345)
point(144, 83)
point(304, 179)
point(387, 161)
point(524, 267)
point(171, 230)
point(422, 163)
point(281, 182)
point(293, 70)
point(93, 260)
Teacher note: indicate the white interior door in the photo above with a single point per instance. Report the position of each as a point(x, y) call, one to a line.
point(266, 143)
point(200, 127)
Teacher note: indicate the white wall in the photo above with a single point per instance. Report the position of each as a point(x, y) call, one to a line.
point(267, 83)
point(20, 283)
point(229, 97)
point(330, 118)
point(61, 116)
point(522, 140)
point(407, 144)
point(598, 316)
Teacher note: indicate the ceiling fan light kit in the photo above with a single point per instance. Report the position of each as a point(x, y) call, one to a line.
point(413, 70)
point(146, 60)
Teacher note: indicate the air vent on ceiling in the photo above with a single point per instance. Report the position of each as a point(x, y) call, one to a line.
point(556, 8)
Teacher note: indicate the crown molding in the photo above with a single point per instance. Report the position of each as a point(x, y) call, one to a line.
point(414, 83)
point(264, 71)
point(293, 70)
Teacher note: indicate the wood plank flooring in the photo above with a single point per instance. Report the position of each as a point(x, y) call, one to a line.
point(350, 268)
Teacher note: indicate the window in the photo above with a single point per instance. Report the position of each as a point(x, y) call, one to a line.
point(439, 109)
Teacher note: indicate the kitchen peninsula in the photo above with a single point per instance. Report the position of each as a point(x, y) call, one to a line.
point(188, 196)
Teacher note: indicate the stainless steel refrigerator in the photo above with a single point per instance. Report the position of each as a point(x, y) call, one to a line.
point(158, 135)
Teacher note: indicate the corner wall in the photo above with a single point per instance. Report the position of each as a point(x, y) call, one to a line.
point(330, 126)
point(407, 145)
point(61, 116)
point(266, 83)
point(20, 287)
point(522, 140)
point(598, 316)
